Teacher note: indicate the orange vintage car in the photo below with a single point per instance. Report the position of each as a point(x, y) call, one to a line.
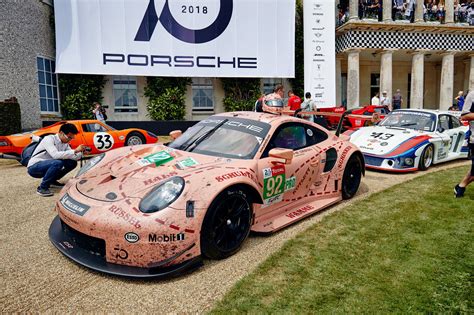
point(156, 210)
point(98, 136)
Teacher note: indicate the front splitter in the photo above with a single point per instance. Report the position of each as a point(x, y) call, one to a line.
point(66, 245)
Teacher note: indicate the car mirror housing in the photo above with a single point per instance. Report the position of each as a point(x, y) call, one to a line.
point(285, 154)
point(175, 134)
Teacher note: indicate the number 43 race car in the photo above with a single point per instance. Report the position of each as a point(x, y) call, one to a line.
point(410, 140)
point(155, 210)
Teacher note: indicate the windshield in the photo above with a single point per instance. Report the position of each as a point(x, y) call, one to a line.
point(410, 120)
point(233, 138)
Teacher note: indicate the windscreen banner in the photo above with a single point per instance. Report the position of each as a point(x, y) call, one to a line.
point(206, 38)
point(320, 51)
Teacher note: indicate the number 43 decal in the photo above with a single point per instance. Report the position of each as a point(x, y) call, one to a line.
point(381, 135)
point(103, 141)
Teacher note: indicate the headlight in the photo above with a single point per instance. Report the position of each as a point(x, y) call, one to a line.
point(162, 196)
point(90, 164)
point(409, 161)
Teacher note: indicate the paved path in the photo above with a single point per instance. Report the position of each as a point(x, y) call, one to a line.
point(37, 278)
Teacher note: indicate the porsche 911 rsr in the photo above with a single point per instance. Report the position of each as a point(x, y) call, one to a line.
point(155, 210)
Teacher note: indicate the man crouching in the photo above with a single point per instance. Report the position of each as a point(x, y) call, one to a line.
point(53, 158)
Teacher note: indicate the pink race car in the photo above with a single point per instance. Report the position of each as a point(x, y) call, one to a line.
point(155, 210)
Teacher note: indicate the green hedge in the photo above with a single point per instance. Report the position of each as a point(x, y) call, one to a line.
point(10, 117)
point(166, 97)
point(78, 92)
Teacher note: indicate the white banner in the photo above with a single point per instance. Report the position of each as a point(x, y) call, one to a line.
point(206, 38)
point(320, 51)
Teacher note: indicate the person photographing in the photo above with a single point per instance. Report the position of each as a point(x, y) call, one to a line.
point(53, 158)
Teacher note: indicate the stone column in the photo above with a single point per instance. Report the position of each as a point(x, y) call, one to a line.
point(338, 81)
point(449, 10)
point(353, 10)
point(417, 80)
point(467, 71)
point(387, 10)
point(471, 75)
point(419, 11)
point(353, 79)
point(447, 81)
point(386, 72)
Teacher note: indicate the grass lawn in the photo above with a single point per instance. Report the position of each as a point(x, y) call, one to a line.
point(404, 250)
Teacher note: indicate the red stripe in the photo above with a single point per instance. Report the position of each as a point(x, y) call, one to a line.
point(174, 227)
point(407, 145)
point(160, 221)
point(136, 210)
point(188, 231)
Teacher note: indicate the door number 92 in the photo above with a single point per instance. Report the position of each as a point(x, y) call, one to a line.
point(103, 141)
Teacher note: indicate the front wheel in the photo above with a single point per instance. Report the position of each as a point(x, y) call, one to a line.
point(351, 177)
point(134, 138)
point(426, 158)
point(226, 224)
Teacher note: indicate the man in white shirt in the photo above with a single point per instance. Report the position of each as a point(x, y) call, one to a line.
point(53, 158)
point(385, 100)
point(375, 100)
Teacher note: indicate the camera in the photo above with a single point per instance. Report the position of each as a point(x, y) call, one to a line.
point(87, 149)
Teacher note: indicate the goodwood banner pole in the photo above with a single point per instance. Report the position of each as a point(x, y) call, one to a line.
point(320, 51)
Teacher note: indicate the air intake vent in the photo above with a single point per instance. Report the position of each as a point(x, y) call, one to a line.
point(331, 158)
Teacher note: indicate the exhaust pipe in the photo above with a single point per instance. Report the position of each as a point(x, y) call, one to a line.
point(9, 157)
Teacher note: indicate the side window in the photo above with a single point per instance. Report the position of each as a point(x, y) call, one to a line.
point(295, 136)
point(443, 122)
point(93, 128)
point(455, 122)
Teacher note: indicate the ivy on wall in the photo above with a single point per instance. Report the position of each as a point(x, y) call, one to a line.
point(166, 97)
point(78, 92)
point(240, 94)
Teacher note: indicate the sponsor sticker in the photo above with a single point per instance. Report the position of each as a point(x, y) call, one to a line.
point(131, 237)
point(274, 181)
point(74, 206)
point(157, 158)
point(187, 163)
point(290, 183)
point(164, 238)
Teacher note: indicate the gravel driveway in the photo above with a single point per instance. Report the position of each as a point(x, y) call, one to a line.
point(37, 278)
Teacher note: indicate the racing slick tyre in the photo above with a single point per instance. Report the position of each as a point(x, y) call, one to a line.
point(351, 177)
point(226, 224)
point(426, 158)
point(134, 138)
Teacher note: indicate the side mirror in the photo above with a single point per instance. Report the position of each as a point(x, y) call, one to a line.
point(175, 134)
point(284, 154)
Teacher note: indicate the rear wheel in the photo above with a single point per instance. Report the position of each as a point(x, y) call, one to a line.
point(426, 158)
point(135, 138)
point(226, 224)
point(352, 177)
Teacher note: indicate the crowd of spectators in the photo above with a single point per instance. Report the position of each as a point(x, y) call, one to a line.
point(433, 10)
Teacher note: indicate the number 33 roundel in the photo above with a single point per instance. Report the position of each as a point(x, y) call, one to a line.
point(103, 141)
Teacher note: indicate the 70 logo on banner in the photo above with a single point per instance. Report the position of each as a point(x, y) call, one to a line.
point(150, 19)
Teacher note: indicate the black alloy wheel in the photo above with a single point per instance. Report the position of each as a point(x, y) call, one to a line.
point(352, 177)
point(226, 224)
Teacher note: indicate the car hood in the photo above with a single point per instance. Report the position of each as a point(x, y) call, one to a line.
point(380, 140)
point(135, 170)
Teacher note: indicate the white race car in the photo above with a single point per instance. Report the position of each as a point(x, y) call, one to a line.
point(409, 140)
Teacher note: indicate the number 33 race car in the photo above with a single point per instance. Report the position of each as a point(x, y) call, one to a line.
point(410, 140)
point(98, 136)
point(155, 210)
